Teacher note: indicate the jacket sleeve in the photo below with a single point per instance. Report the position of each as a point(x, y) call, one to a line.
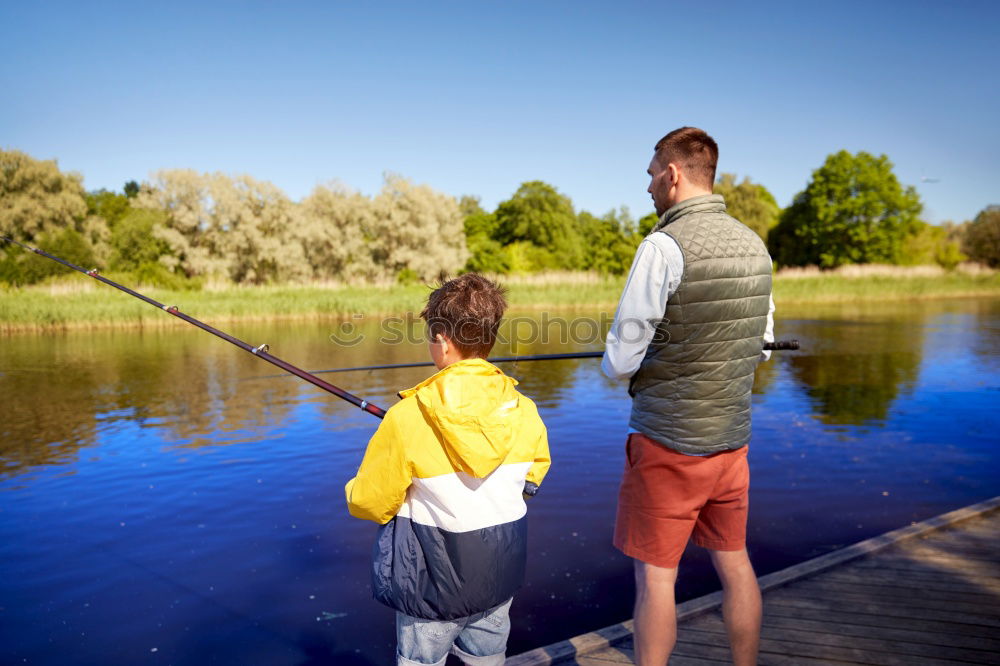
point(542, 459)
point(379, 488)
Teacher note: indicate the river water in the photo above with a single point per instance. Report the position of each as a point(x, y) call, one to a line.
point(161, 502)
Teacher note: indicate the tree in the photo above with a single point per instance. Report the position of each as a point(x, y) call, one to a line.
point(35, 197)
point(419, 231)
point(133, 241)
point(28, 268)
point(542, 217)
point(612, 240)
point(407, 232)
point(646, 224)
point(237, 228)
point(44, 206)
point(852, 211)
point(108, 205)
point(930, 245)
point(338, 226)
point(982, 237)
point(486, 255)
point(749, 203)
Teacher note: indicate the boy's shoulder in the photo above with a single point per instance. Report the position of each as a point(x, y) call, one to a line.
point(409, 407)
point(527, 403)
point(406, 408)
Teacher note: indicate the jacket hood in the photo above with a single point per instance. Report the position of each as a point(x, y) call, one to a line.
point(476, 412)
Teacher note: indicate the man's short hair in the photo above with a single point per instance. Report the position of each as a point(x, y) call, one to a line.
point(467, 310)
point(693, 150)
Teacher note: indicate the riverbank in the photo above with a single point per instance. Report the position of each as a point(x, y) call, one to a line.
point(75, 302)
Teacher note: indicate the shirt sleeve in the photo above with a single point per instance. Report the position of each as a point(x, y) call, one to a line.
point(651, 281)
point(378, 490)
point(765, 355)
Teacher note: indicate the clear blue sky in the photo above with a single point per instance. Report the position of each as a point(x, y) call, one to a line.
point(476, 97)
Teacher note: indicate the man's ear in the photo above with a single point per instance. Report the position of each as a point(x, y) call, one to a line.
point(674, 174)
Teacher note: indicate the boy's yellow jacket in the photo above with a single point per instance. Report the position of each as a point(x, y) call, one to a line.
point(443, 474)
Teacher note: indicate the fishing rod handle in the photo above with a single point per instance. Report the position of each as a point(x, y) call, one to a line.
point(781, 344)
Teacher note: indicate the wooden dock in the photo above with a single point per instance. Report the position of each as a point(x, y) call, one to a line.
point(928, 593)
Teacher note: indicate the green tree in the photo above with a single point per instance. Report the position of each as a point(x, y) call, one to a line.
point(611, 243)
point(486, 255)
point(108, 205)
point(930, 245)
point(539, 215)
point(646, 224)
point(982, 237)
point(131, 189)
point(29, 268)
point(134, 242)
point(749, 203)
point(852, 211)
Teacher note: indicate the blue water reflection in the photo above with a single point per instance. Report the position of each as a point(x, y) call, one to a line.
point(158, 506)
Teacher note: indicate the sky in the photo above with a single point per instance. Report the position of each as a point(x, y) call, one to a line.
point(478, 97)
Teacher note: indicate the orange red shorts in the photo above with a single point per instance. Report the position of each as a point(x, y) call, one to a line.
point(667, 497)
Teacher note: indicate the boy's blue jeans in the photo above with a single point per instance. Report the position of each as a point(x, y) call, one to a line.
point(478, 640)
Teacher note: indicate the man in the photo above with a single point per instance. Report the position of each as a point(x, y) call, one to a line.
point(689, 332)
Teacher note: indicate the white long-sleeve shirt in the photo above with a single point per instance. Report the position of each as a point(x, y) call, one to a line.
point(654, 277)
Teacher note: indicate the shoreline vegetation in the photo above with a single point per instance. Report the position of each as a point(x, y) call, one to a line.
point(72, 302)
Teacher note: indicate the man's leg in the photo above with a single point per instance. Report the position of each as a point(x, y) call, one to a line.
point(741, 604)
point(655, 614)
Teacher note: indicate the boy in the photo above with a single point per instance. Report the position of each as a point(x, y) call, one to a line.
point(444, 476)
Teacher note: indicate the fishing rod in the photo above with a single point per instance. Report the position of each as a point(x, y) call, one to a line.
point(260, 351)
point(769, 346)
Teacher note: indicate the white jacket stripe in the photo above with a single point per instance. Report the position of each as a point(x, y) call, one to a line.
point(458, 502)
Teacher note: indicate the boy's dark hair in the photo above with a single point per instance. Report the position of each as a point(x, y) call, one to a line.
point(694, 150)
point(466, 310)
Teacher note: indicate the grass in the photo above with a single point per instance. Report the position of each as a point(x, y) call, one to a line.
point(883, 283)
point(76, 302)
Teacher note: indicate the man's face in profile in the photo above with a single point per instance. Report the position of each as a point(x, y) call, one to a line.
point(659, 185)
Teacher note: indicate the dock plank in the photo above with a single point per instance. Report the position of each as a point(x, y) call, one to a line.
point(913, 597)
point(713, 622)
point(928, 593)
point(914, 644)
point(847, 617)
point(798, 645)
point(893, 587)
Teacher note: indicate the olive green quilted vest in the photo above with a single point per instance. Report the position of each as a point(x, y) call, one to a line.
point(692, 390)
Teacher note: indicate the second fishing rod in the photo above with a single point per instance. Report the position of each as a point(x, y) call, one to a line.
point(777, 345)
